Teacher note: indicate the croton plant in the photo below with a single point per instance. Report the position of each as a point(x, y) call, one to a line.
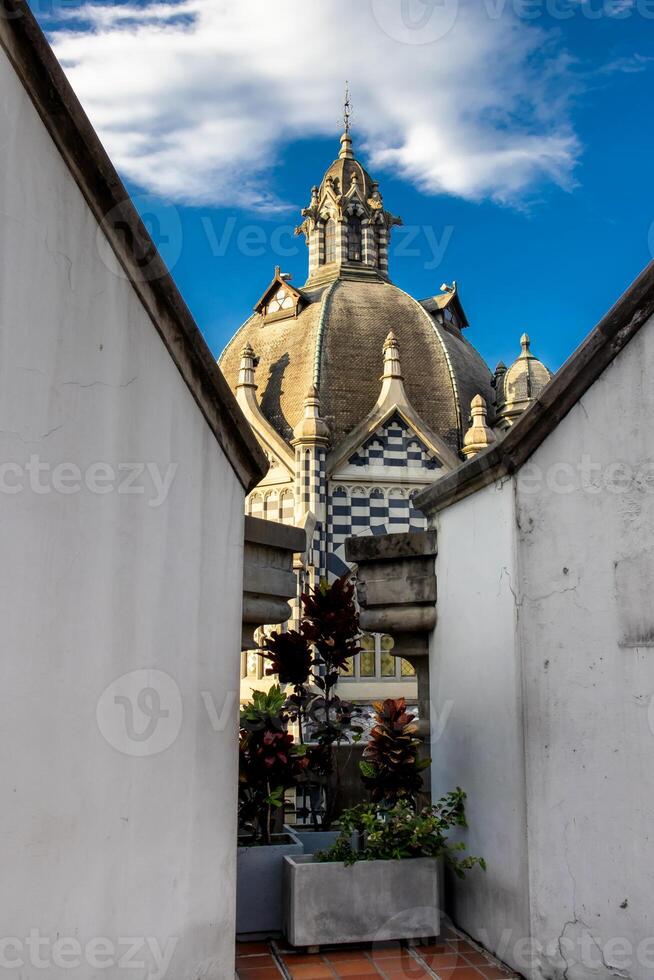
point(310, 660)
point(390, 767)
point(270, 762)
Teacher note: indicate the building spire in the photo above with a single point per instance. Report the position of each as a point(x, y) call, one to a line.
point(346, 152)
point(347, 108)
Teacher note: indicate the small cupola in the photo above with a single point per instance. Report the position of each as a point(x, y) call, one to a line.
point(518, 386)
point(346, 227)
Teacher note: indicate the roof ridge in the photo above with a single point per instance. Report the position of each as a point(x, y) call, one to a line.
point(446, 354)
point(325, 301)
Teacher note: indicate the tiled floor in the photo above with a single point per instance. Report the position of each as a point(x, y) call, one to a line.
point(452, 958)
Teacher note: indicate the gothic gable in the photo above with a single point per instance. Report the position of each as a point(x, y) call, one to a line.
point(393, 444)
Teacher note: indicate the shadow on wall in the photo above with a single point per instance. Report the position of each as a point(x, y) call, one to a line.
point(271, 397)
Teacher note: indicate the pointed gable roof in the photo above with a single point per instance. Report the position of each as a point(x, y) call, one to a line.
point(279, 281)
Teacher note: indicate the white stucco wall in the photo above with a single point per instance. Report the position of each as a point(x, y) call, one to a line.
point(586, 556)
point(97, 845)
point(476, 711)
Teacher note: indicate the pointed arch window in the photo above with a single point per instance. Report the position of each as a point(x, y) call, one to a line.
point(354, 239)
point(330, 241)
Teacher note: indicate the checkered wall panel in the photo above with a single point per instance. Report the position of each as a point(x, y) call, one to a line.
point(395, 444)
point(355, 510)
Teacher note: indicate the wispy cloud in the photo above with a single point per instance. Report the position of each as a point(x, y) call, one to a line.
point(195, 99)
point(631, 64)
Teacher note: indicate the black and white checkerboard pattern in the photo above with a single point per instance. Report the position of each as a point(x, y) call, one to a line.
point(395, 444)
point(311, 489)
point(355, 510)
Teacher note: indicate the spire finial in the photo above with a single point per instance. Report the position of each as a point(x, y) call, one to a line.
point(392, 367)
point(347, 108)
point(525, 343)
point(312, 427)
point(249, 361)
point(479, 436)
point(346, 139)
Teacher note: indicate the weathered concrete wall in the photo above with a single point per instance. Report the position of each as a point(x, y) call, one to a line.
point(100, 578)
point(586, 582)
point(476, 712)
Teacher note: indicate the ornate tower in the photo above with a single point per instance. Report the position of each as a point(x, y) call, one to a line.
point(346, 227)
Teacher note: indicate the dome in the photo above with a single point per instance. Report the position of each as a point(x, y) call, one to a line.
point(518, 386)
point(346, 169)
point(334, 341)
point(330, 333)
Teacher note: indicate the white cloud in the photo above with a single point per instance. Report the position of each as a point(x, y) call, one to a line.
point(194, 99)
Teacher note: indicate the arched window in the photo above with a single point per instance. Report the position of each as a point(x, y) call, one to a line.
point(354, 239)
point(330, 241)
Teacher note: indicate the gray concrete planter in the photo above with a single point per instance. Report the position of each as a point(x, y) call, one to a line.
point(314, 840)
point(259, 870)
point(370, 901)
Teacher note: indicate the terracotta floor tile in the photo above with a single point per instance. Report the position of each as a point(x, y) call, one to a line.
point(251, 948)
point(362, 976)
point(259, 973)
point(355, 968)
point(383, 952)
point(432, 948)
point(302, 959)
point(397, 962)
point(419, 973)
point(477, 959)
point(255, 962)
point(443, 961)
point(309, 971)
point(496, 973)
point(465, 973)
point(345, 953)
point(407, 967)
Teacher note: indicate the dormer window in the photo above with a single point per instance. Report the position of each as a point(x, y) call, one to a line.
point(282, 300)
point(354, 239)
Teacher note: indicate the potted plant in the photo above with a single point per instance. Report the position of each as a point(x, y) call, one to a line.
point(309, 661)
point(386, 888)
point(269, 763)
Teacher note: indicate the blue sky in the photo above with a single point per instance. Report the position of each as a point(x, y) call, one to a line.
point(514, 138)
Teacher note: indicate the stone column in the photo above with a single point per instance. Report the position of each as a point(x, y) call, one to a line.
point(396, 590)
point(310, 439)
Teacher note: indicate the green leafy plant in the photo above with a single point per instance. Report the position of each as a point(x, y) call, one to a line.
point(402, 833)
point(310, 660)
point(390, 767)
point(269, 762)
